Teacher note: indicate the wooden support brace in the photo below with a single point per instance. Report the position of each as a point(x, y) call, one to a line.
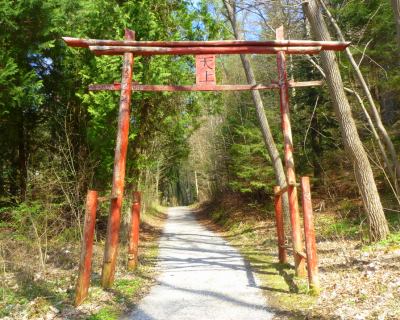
point(285, 189)
point(290, 248)
point(106, 198)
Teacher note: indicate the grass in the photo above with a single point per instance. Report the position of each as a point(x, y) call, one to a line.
point(330, 226)
point(286, 292)
point(106, 313)
point(128, 289)
point(26, 291)
point(392, 243)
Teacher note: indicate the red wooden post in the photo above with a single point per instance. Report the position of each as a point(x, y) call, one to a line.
point(279, 225)
point(82, 284)
point(289, 160)
point(114, 219)
point(311, 246)
point(134, 232)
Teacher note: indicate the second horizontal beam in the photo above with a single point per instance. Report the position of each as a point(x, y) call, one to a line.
point(150, 51)
point(176, 88)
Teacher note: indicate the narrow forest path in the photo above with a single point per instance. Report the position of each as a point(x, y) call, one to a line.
point(202, 277)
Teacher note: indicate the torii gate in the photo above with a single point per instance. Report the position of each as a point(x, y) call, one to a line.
point(205, 50)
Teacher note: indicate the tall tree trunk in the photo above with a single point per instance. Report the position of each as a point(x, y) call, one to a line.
point(394, 166)
point(365, 179)
point(273, 152)
point(396, 11)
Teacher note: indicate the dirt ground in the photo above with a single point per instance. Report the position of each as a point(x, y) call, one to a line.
point(29, 292)
point(359, 280)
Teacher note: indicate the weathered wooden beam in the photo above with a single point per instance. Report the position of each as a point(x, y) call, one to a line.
point(309, 234)
point(150, 51)
point(133, 243)
point(150, 87)
point(300, 253)
point(85, 264)
point(326, 45)
point(280, 230)
point(226, 87)
point(281, 191)
point(289, 159)
point(114, 219)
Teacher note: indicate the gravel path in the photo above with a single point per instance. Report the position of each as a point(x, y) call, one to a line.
point(202, 277)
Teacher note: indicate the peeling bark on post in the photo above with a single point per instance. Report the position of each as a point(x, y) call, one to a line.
point(133, 246)
point(309, 234)
point(82, 284)
point(289, 160)
point(114, 219)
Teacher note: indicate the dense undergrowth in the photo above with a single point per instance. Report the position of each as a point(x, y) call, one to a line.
point(346, 259)
point(41, 285)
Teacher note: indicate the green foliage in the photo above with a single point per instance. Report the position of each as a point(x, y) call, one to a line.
point(370, 25)
point(29, 222)
point(249, 161)
point(50, 121)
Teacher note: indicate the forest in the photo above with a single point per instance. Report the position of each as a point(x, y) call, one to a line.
point(219, 153)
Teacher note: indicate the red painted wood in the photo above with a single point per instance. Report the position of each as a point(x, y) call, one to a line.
point(280, 226)
point(114, 220)
point(133, 245)
point(311, 246)
point(326, 45)
point(83, 282)
point(229, 87)
point(289, 160)
point(149, 51)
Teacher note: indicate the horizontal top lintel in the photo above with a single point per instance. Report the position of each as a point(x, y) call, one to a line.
point(325, 45)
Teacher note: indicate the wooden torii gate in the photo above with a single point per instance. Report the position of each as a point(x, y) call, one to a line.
point(205, 50)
